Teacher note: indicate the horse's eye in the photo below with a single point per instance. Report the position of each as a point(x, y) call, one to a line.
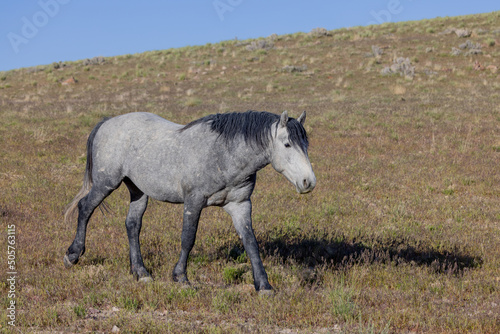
point(287, 145)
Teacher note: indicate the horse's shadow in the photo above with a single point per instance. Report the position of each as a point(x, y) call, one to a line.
point(345, 254)
point(342, 254)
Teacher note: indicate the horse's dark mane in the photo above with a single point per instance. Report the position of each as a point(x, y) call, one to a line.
point(253, 126)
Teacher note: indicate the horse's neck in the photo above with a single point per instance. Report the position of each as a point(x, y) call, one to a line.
point(251, 159)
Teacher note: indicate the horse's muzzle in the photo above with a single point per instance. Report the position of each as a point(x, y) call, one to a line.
point(307, 185)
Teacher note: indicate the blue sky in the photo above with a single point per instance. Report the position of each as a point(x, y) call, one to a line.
point(38, 32)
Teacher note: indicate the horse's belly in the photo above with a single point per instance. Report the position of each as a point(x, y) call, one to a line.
point(168, 197)
point(165, 194)
point(159, 187)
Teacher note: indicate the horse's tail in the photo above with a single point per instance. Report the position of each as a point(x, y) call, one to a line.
point(72, 207)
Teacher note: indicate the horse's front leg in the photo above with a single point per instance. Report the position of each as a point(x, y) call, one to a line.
point(192, 210)
point(241, 213)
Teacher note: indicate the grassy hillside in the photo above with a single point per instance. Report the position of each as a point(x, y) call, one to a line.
point(401, 234)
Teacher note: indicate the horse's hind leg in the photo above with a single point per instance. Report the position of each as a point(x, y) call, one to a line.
point(138, 204)
point(86, 207)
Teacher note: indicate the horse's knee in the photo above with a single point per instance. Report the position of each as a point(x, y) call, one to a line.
point(132, 225)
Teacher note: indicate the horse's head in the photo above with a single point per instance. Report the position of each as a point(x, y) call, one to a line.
point(289, 155)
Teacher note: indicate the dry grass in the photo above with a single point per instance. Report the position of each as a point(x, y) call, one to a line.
point(401, 234)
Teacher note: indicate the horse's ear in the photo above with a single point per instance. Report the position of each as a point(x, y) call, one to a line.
point(302, 118)
point(284, 119)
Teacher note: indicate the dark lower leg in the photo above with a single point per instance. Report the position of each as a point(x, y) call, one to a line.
point(77, 247)
point(259, 273)
point(86, 207)
point(189, 228)
point(133, 223)
point(241, 214)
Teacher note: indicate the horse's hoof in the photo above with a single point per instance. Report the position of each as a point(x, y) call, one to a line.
point(67, 263)
point(180, 279)
point(266, 293)
point(145, 279)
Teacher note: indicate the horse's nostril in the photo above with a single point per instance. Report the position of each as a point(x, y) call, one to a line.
point(306, 183)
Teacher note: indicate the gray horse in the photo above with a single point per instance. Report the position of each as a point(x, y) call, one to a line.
point(211, 161)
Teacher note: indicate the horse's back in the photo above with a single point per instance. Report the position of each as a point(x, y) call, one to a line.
point(131, 133)
point(137, 146)
point(142, 121)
